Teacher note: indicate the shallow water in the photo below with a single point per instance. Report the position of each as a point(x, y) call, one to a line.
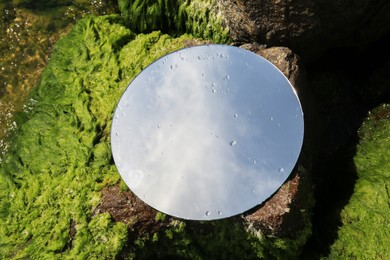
point(27, 38)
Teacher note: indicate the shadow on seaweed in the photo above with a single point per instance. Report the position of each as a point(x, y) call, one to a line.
point(222, 239)
point(335, 180)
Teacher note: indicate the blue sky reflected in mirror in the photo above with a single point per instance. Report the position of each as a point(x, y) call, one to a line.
point(207, 132)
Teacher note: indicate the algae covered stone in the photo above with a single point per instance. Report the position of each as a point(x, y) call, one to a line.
point(201, 18)
point(365, 230)
point(51, 177)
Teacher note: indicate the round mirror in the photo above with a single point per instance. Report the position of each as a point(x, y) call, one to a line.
point(207, 132)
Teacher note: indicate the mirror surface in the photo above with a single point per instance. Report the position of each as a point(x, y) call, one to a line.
point(207, 132)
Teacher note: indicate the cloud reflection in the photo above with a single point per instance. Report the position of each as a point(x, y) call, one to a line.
point(174, 142)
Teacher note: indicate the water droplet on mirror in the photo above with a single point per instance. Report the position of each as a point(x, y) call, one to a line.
point(235, 115)
point(281, 169)
point(219, 213)
point(158, 126)
point(271, 118)
point(233, 143)
point(207, 213)
point(213, 90)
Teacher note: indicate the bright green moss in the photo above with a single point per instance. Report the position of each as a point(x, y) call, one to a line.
point(365, 233)
point(60, 158)
point(200, 18)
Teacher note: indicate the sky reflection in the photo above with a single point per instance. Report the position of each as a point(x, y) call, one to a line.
point(204, 132)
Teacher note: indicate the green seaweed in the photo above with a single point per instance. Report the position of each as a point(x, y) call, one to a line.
point(29, 29)
point(60, 156)
point(365, 230)
point(199, 18)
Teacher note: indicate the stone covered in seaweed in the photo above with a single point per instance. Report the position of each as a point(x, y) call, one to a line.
point(365, 230)
point(199, 18)
point(60, 157)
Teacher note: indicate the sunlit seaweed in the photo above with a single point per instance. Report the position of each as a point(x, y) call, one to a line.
point(29, 30)
point(365, 230)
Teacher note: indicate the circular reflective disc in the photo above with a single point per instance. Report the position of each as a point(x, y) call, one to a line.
point(207, 132)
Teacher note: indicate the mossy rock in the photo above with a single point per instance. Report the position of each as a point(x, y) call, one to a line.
point(58, 169)
point(200, 18)
point(365, 230)
point(60, 156)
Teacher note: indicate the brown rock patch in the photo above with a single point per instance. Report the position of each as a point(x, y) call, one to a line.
point(284, 213)
point(126, 207)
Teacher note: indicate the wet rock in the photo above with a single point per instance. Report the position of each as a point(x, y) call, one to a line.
point(307, 27)
point(378, 88)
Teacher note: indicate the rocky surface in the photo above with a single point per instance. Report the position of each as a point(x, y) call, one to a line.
point(307, 27)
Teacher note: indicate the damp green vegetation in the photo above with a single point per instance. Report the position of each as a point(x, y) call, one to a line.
point(199, 18)
point(59, 160)
point(365, 233)
point(29, 29)
point(97, 5)
point(223, 239)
